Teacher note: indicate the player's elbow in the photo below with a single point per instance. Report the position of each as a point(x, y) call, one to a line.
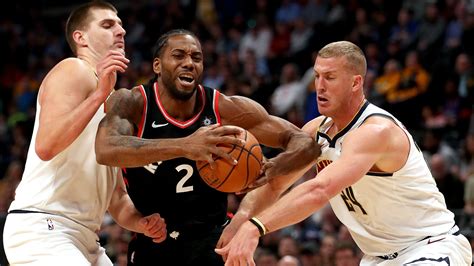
point(44, 152)
point(102, 156)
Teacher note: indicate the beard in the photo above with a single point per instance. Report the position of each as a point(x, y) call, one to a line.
point(174, 91)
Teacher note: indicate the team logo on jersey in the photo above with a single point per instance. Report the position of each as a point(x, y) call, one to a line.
point(174, 235)
point(207, 121)
point(50, 224)
point(322, 164)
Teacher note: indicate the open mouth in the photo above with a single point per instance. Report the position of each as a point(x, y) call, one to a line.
point(322, 99)
point(187, 79)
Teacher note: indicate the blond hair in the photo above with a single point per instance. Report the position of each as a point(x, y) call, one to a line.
point(354, 55)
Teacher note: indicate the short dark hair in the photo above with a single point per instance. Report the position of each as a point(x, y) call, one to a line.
point(163, 40)
point(80, 18)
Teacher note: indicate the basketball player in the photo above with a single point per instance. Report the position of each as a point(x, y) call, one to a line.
point(148, 130)
point(370, 171)
point(62, 198)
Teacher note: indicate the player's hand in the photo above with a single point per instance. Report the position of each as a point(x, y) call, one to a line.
point(262, 179)
point(107, 69)
point(239, 251)
point(202, 145)
point(153, 226)
point(228, 233)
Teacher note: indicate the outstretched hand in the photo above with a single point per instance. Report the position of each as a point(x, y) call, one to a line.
point(153, 226)
point(107, 71)
point(239, 251)
point(203, 145)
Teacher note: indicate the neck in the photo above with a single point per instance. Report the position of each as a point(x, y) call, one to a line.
point(348, 114)
point(181, 110)
point(90, 61)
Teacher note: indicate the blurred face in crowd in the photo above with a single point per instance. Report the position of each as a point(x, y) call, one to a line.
point(345, 257)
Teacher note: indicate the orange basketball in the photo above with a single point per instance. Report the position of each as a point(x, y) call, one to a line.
point(233, 178)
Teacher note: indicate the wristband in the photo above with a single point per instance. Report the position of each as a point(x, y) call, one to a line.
point(260, 226)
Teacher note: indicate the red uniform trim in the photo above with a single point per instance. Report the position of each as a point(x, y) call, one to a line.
point(169, 118)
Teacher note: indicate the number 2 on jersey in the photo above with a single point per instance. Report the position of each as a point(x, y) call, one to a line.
point(180, 187)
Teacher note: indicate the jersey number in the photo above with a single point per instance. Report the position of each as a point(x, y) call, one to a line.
point(180, 188)
point(350, 200)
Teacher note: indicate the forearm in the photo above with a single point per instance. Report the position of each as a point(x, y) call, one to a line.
point(130, 151)
point(125, 214)
point(300, 151)
point(255, 202)
point(294, 207)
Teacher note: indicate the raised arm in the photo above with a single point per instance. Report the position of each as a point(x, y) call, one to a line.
point(117, 145)
point(68, 99)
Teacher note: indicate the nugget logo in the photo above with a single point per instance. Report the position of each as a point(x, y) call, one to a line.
point(322, 164)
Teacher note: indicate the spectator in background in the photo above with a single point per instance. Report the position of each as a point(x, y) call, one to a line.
point(465, 74)
point(288, 246)
point(388, 82)
point(345, 254)
point(326, 250)
point(404, 100)
point(287, 95)
point(448, 184)
point(429, 37)
point(265, 257)
point(433, 143)
point(288, 12)
point(288, 260)
point(405, 29)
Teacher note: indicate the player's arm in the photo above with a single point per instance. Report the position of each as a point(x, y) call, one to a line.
point(118, 145)
point(260, 198)
point(69, 98)
point(300, 150)
point(123, 211)
point(361, 150)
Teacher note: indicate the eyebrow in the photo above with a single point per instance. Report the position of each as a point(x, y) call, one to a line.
point(109, 20)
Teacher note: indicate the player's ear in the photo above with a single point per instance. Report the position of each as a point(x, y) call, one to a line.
point(79, 38)
point(157, 66)
point(357, 83)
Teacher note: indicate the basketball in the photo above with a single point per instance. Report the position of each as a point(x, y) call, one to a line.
point(233, 178)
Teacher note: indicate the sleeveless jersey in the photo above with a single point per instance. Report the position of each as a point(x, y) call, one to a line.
point(386, 212)
point(72, 184)
point(174, 188)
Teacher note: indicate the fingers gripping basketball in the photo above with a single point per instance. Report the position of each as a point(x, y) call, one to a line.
point(232, 178)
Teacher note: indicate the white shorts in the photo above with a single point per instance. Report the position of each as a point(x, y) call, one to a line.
point(446, 249)
point(45, 239)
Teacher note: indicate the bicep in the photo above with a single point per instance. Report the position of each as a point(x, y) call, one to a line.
point(361, 150)
point(61, 92)
point(123, 113)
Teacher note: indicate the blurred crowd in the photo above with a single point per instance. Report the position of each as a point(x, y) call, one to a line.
point(419, 68)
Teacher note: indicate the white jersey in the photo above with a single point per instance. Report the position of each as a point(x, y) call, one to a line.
point(386, 212)
point(72, 184)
